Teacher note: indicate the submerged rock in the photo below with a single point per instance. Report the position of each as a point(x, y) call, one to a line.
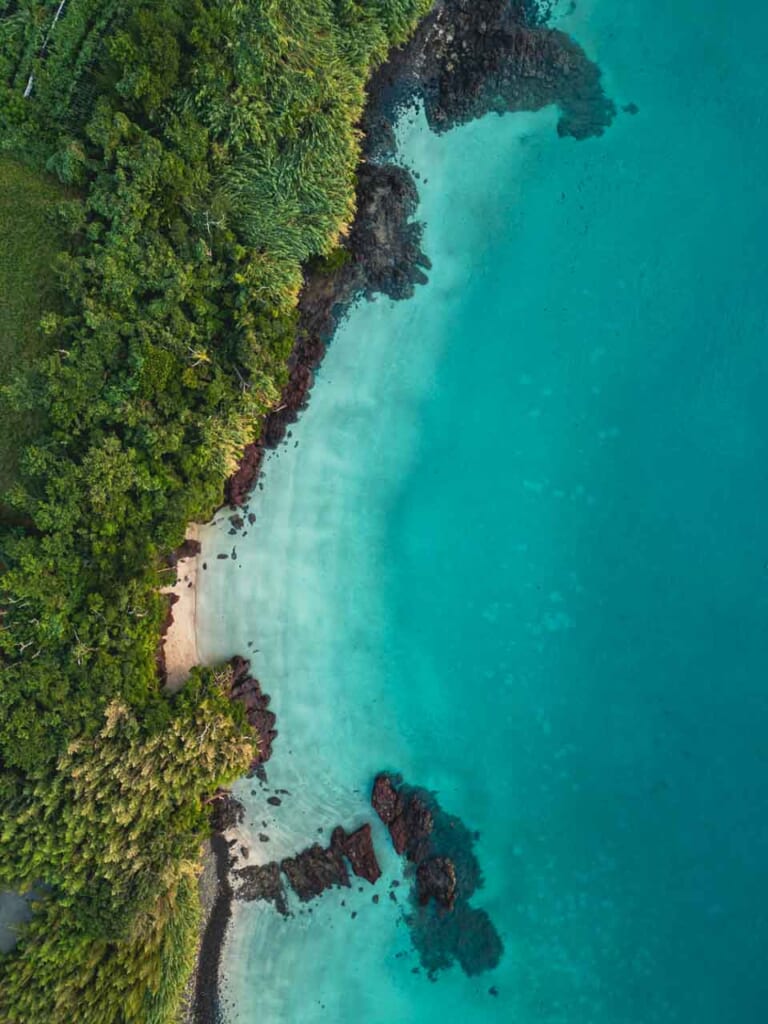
point(465, 936)
point(436, 879)
point(445, 927)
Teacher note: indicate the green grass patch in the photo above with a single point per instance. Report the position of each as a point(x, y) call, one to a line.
point(29, 240)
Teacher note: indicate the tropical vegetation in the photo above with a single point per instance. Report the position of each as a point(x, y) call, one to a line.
point(202, 151)
point(29, 241)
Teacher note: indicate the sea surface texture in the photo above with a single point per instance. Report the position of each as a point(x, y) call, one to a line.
point(517, 550)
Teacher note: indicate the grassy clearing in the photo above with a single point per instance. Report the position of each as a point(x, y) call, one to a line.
point(28, 242)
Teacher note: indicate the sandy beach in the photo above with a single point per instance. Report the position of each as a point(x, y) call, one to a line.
point(180, 643)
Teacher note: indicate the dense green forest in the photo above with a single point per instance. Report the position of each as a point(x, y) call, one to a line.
point(203, 151)
point(29, 240)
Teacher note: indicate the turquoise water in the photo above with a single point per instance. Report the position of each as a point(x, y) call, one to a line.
point(517, 549)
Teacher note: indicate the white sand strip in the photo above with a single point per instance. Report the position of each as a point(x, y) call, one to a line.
point(180, 644)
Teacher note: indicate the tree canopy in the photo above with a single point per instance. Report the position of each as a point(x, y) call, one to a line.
point(208, 149)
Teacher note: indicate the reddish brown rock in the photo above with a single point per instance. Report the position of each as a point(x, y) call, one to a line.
point(408, 817)
point(247, 690)
point(444, 926)
point(359, 851)
point(436, 880)
point(385, 800)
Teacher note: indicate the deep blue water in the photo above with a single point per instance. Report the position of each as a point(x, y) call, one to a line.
point(521, 554)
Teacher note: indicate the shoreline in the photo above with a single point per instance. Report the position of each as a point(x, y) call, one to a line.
point(178, 652)
point(463, 62)
point(201, 1002)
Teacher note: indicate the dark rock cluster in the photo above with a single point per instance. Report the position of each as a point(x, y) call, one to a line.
point(384, 256)
point(262, 883)
point(227, 812)
point(312, 871)
point(445, 928)
point(468, 58)
point(246, 689)
point(357, 847)
point(190, 548)
point(436, 879)
point(473, 57)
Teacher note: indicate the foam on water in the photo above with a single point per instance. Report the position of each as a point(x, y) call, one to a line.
point(519, 554)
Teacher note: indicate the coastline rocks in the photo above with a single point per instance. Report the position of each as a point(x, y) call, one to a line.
point(247, 690)
point(468, 58)
point(189, 548)
point(407, 816)
point(384, 255)
point(237, 487)
point(227, 812)
point(206, 993)
point(445, 927)
point(359, 851)
point(262, 883)
point(314, 870)
point(473, 57)
point(384, 240)
point(385, 799)
point(516, 64)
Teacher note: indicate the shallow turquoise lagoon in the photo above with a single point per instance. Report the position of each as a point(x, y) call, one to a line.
point(517, 549)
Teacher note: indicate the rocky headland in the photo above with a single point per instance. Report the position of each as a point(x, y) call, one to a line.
point(468, 58)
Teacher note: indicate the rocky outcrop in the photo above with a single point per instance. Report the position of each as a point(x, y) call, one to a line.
point(359, 851)
point(384, 255)
point(247, 690)
point(262, 883)
point(436, 880)
point(473, 57)
point(468, 58)
point(445, 927)
point(227, 812)
point(314, 870)
point(190, 548)
point(406, 815)
point(385, 799)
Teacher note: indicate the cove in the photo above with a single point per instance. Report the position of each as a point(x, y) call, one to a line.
point(516, 550)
